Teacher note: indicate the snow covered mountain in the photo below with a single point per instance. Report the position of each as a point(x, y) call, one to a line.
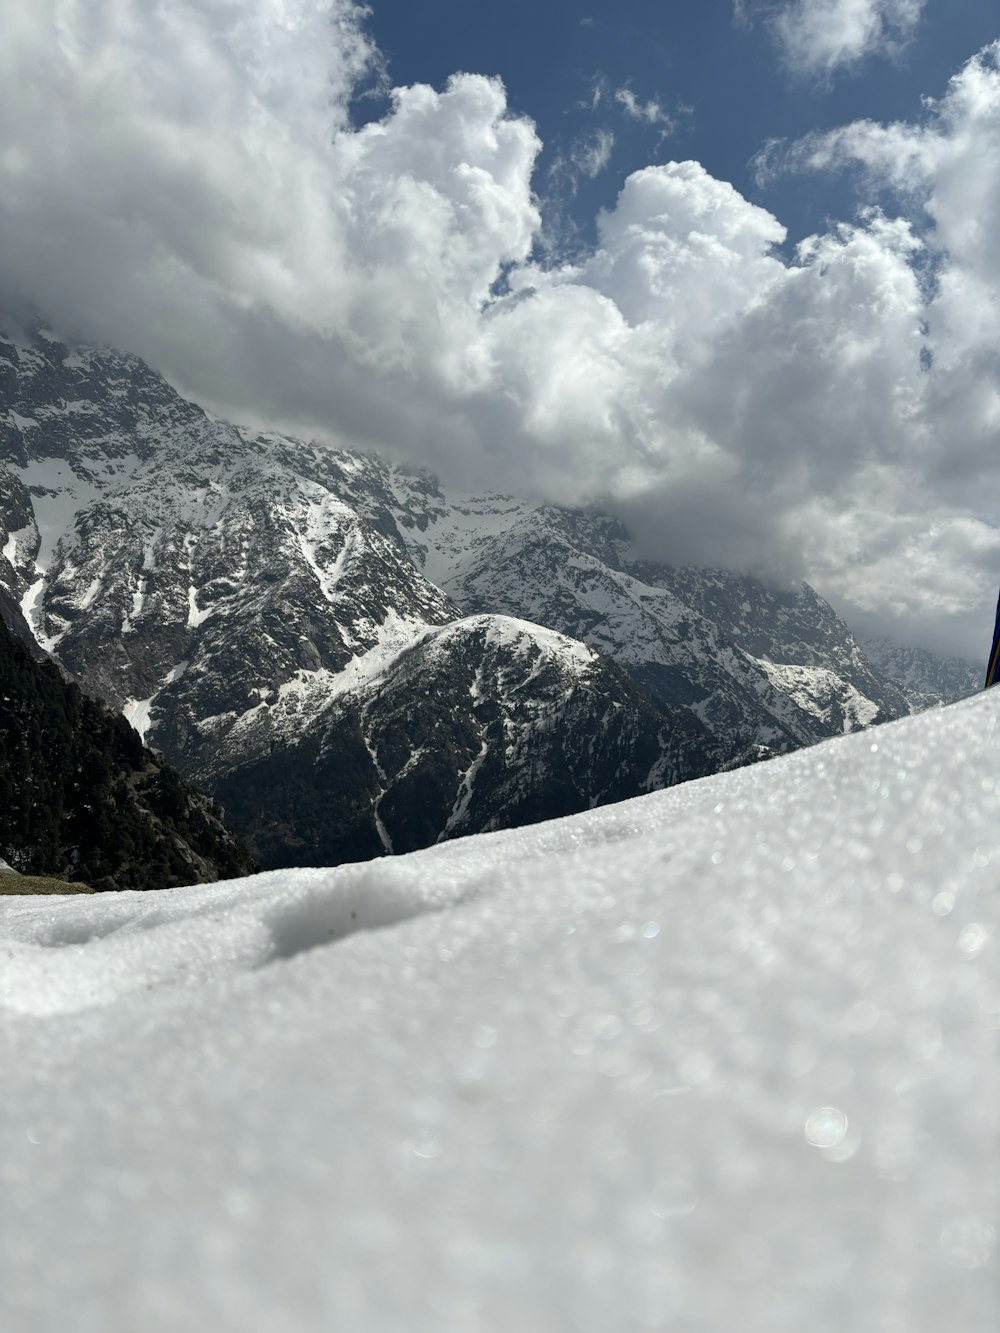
point(251, 602)
point(756, 665)
point(247, 602)
point(480, 724)
point(720, 1058)
point(928, 681)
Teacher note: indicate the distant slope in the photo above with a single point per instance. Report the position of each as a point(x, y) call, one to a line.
point(927, 680)
point(755, 664)
point(486, 723)
point(81, 798)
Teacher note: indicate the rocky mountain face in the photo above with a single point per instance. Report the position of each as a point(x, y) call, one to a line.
point(755, 665)
point(927, 681)
point(484, 723)
point(82, 799)
point(338, 647)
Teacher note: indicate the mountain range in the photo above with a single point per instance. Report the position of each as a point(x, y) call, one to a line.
point(356, 660)
point(927, 680)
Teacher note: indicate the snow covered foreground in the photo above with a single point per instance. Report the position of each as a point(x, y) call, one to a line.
point(723, 1059)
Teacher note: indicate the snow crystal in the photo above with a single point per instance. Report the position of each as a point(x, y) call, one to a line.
point(713, 1060)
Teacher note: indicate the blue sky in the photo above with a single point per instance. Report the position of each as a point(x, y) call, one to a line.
point(718, 79)
point(330, 217)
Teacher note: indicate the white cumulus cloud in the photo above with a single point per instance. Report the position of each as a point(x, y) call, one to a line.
point(946, 168)
point(187, 183)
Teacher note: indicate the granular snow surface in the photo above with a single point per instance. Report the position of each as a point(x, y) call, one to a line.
point(721, 1059)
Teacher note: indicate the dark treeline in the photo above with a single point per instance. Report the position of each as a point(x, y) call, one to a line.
point(81, 798)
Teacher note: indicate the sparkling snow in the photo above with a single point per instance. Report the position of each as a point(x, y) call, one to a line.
point(721, 1059)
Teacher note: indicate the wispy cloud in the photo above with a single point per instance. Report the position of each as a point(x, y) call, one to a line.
point(821, 37)
point(591, 153)
point(650, 112)
point(587, 156)
point(598, 94)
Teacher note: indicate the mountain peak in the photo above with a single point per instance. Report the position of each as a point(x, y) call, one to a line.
point(261, 607)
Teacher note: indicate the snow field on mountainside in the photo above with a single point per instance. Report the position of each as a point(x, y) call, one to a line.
point(723, 1057)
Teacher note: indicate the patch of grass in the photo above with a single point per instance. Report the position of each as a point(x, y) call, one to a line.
point(27, 884)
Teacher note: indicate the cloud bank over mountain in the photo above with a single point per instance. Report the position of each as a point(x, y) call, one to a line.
point(189, 184)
